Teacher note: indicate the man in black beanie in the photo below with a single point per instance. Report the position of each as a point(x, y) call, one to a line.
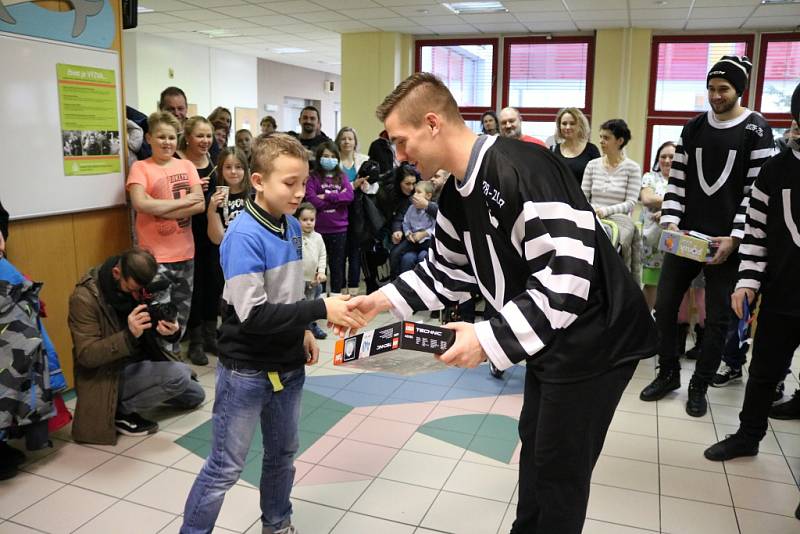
point(716, 160)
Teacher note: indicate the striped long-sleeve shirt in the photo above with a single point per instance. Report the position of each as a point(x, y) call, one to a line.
point(770, 253)
point(612, 191)
point(714, 167)
point(519, 231)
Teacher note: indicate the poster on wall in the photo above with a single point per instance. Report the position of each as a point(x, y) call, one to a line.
point(89, 120)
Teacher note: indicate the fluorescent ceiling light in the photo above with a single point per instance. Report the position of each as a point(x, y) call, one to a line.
point(142, 9)
point(778, 2)
point(288, 50)
point(214, 34)
point(475, 8)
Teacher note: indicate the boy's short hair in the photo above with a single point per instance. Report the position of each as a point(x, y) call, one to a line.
point(303, 207)
point(138, 265)
point(267, 149)
point(417, 95)
point(162, 117)
point(269, 119)
point(425, 187)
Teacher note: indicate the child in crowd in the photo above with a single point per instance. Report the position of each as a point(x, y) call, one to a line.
point(330, 192)
point(263, 342)
point(165, 193)
point(315, 259)
point(244, 141)
point(224, 206)
point(194, 145)
point(418, 227)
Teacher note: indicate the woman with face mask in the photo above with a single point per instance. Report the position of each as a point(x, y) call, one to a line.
point(329, 190)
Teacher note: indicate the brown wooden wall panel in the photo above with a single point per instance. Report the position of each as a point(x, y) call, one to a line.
point(57, 251)
point(98, 235)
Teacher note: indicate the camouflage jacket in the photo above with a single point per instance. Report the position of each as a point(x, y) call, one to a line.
point(26, 395)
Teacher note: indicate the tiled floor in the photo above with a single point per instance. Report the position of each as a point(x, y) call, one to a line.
point(421, 453)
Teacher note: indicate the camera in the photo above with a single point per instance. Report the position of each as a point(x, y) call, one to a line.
point(370, 170)
point(158, 311)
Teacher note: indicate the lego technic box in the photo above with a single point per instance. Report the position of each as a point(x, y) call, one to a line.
point(395, 336)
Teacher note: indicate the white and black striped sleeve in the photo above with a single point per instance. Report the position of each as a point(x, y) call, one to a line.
point(753, 251)
point(445, 277)
point(674, 201)
point(558, 246)
point(764, 150)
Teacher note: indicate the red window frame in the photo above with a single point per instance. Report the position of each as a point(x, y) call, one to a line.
point(548, 113)
point(780, 120)
point(676, 117)
point(468, 112)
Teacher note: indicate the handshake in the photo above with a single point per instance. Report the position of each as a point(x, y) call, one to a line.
point(346, 316)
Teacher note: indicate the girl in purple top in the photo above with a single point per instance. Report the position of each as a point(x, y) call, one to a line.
point(329, 190)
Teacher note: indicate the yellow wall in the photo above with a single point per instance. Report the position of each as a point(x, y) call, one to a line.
point(372, 65)
point(621, 76)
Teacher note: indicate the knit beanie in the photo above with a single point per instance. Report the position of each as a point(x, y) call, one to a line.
point(734, 69)
point(795, 109)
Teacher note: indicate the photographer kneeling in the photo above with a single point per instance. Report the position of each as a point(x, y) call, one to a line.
point(119, 369)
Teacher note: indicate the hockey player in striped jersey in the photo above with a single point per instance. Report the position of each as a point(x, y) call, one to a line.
point(717, 158)
point(514, 225)
point(770, 259)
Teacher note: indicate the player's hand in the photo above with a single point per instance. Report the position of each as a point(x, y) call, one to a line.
point(672, 227)
point(725, 247)
point(311, 348)
point(367, 307)
point(737, 300)
point(339, 313)
point(467, 350)
point(397, 237)
point(166, 328)
point(139, 320)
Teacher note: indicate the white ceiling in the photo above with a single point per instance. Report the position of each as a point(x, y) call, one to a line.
point(257, 27)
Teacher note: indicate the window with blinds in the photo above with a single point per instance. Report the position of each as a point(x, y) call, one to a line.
point(467, 68)
point(779, 72)
point(547, 74)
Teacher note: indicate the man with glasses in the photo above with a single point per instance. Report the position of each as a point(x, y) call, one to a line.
point(119, 369)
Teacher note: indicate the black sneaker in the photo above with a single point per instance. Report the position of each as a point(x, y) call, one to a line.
point(133, 424)
point(733, 446)
point(779, 389)
point(697, 405)
point(317, 331)
point(197, 355)
point(497, 373)
point(665, 382)
point(789, 409)
point(725, 375)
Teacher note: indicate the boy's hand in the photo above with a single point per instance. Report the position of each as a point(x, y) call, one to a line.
point(737, 300)
point(311, 348)
point(339, 313)
point(410, 237)
point(367, 307)
point(397, 237)
point(420, 236)
point(467, 350)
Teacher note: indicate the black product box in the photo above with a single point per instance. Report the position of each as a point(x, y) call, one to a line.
point(402, 335)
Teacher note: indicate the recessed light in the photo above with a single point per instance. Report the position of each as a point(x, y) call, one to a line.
point(423, 11)
point(215, 34)
point(142, 9)
point(779, 2)
point(475, 8)
point(288, 50)
point(661, 3)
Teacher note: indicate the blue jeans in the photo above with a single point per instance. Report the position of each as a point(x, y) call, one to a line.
point(242, 398)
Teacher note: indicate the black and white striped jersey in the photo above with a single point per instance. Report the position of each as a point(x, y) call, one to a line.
point(714, 167)
point(519, 231)
point(770, 253)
